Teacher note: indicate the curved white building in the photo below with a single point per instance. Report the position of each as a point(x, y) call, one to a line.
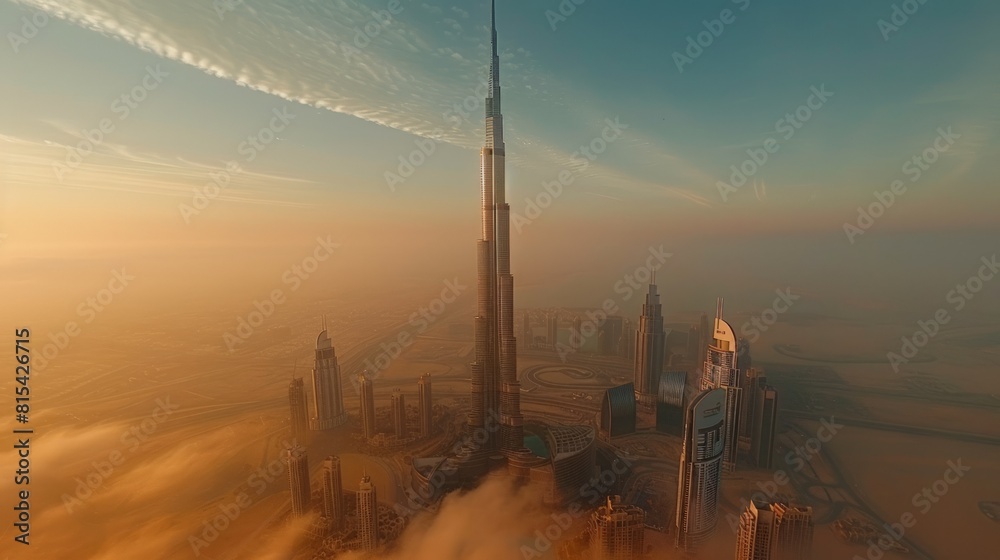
point(700, 472)
point(722, 372)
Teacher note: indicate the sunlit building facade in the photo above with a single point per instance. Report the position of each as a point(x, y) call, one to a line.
point(298, 479)
point(721, 372)
point(700, 473)
point(328, 394)
point(617, 531)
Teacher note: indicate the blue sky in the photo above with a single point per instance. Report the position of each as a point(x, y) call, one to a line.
point(356, 113)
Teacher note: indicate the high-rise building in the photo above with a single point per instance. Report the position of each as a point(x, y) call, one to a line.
point(298, 408)
point(298, 478)
point(367, 405)
point(398, 406)
point(496, 392)
point(626, 346)
point(743, 381)
point(774, 531)
point(609, 335)
point(328, 394)
point(552, 329)
point(617, 416)
point(705, 338)
point(367, 514)
point(333, 491)
point(756, 531)
point(617, 531)
point(670, 403)
point(754, 380)
point(691, 351)
point(765, 422)
point(700, 472)
point(426, 405)
point(794, 528)
point(722, 372)
point(649, 346)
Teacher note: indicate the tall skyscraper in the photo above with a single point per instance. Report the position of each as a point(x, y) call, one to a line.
point(367, 514)
point(496, 392)
point(754, 380)
point(367, 405)
point(609, 336)
point(774, 531)
point(626, 346)
point(649, 345)
point(298, 408)
point(743, 381)
point(552, 329)
point(328, 394)
point(722, 372)
point(765, 422)
point(691, 351)
point(298, 478)
point(705, 333)
point(617, 531)
point(700, 472)
point(333, 491)
point(426, 405)
point(398, 407)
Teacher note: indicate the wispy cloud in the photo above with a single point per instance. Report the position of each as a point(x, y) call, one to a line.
point(339, 56)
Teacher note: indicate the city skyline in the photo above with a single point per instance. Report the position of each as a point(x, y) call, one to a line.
point(196, 197)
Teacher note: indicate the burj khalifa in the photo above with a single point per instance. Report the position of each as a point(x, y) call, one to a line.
point(496, 393)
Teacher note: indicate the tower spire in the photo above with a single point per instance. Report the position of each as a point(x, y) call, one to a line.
point(493, 24)
point(493, 101)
